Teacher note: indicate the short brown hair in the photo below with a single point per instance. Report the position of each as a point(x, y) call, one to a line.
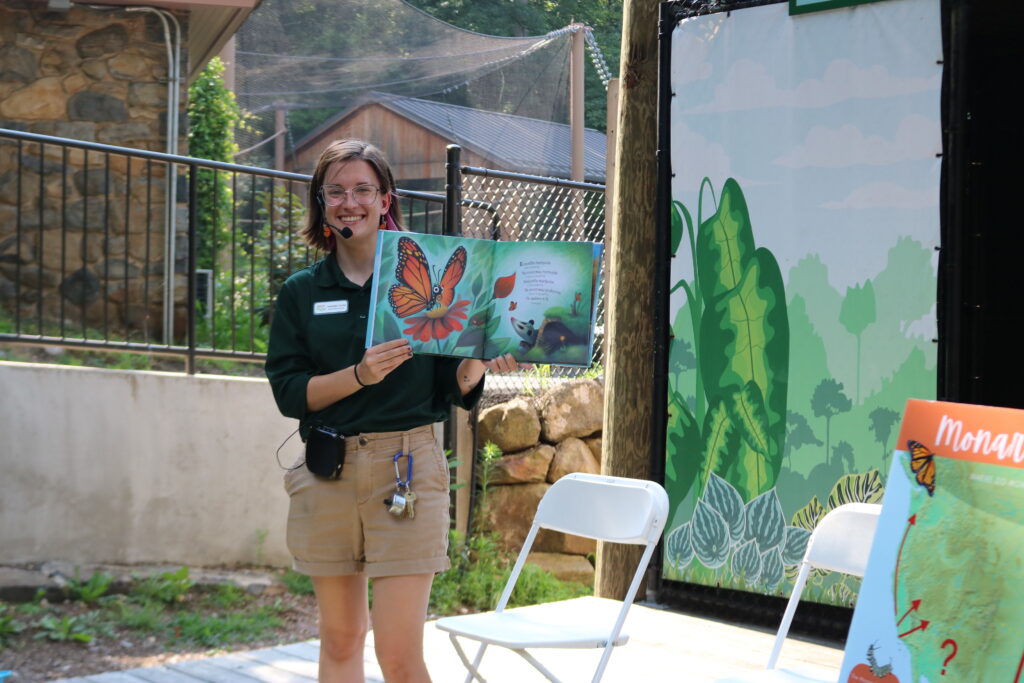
point(346, 150)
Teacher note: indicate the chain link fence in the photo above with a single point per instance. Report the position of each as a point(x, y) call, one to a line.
point(515, 207)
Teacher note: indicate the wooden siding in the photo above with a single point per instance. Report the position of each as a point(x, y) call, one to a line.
point(413, 151)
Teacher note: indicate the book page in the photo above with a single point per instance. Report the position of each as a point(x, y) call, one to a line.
point(941, 598)
point(428, 289)
point(545, 313)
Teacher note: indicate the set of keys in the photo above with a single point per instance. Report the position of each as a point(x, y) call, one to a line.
point(402, 503)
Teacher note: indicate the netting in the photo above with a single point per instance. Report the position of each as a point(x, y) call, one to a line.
point(315, 59)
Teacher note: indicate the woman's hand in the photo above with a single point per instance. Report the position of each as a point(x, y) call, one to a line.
point(380, 360)
point(504, 363)
point(471, 370)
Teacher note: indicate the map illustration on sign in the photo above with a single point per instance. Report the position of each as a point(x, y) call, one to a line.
point(941, 599)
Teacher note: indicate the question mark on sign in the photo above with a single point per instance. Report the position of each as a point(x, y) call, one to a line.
point(948, 641)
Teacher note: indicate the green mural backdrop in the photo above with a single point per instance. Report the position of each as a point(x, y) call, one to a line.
point(804, 224)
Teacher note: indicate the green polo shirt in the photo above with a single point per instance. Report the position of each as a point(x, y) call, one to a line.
point(319, 327)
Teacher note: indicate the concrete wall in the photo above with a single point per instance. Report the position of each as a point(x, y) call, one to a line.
point(124, 466)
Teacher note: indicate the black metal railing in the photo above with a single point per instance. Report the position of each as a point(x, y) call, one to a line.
point(109, 248)
point(97, 253)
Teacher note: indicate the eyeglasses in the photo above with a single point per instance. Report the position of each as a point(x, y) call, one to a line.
point(335, 194)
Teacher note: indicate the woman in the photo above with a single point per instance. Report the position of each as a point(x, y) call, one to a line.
point(384, 400)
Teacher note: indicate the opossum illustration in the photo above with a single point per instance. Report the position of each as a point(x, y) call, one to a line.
point(552, 335)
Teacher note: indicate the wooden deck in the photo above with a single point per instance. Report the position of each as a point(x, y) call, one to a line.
point(663, 646)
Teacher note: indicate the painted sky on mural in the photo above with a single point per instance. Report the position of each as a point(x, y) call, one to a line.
point(821, 139)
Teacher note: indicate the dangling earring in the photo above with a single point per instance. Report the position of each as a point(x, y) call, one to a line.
point(327, 231)
point(383, 221)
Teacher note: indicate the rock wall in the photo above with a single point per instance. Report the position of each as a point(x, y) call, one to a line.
point(84, 232)
point(543, 439)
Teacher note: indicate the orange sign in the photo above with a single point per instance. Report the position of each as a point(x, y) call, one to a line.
point(964, 431)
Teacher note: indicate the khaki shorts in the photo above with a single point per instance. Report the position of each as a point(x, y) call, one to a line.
point(343, 527)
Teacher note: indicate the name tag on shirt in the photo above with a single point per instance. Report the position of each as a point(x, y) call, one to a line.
point(328, 307)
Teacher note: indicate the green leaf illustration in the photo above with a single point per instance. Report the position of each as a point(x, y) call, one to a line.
point(772, 569)
point(795, 545)
point(716, 455)
point(856, 488)
point(495, 347)
point(389, 328)
point(750, 470)
point(683, 434)
point(745, 338)
point(679, 214)
point(749, 415)
point(765, 522)
point(727, 502)
point(474, 337)
point(809, 515)
point(725, 244)
point(679, 546)
point(709, 536)
point(746, 561)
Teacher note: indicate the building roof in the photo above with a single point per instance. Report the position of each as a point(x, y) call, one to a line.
point(518, 143)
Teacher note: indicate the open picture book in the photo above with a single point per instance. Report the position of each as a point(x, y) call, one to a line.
point(475, 298)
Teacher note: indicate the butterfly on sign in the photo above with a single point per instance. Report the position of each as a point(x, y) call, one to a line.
point(417, 290)
point(922, 464)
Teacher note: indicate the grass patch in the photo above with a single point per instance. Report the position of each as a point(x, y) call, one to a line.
point(296, 583)
point(218, 630)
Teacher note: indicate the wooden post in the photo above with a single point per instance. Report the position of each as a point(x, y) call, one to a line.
point(630, 295)
point(612, 128)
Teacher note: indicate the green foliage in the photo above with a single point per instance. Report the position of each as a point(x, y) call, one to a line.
point(91, 590)
point(166, 587)
point(480, 566)
point(251, 267)
point(740, 351)
point(214, 631)
point(213, 116)
point(296, 583)
point(9, 626)
point(145, 616)
point(225, 595)
point(65, 628)
point(536, 379)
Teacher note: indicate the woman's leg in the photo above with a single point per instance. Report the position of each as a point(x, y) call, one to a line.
point(344, 621)
point(399, 613)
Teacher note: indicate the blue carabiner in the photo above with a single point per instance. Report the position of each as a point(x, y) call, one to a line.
point(408, 475)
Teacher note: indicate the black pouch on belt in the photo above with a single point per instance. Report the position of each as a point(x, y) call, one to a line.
point(325, 452)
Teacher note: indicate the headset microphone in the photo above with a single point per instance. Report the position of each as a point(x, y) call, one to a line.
point(345, 232)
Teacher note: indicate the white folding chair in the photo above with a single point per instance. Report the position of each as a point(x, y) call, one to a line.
point(841, 542)
point(606, 508)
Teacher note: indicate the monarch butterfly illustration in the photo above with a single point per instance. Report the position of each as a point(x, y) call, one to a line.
point(417, 291)
point(922, 464)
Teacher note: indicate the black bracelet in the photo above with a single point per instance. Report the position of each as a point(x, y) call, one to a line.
point(355, 371)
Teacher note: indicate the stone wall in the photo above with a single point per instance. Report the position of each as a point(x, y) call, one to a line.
point(543, 439)
point(74, 228)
